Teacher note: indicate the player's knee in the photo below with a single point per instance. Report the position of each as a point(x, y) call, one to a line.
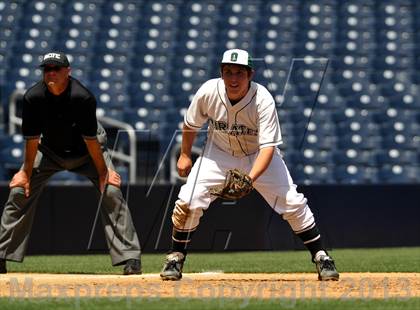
point(295, 200)
point(299, 218)
point(184, 218)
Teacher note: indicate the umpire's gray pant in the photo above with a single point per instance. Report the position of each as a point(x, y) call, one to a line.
point(19, 211)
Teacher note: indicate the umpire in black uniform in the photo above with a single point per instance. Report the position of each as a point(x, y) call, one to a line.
point(61, 133)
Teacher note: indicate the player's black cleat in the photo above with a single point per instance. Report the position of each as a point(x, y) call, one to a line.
point(132, 266)
point(3, 266)
point(326, 269)
point(172, 269)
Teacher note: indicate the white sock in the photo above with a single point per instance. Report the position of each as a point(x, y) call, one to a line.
point(319, 254)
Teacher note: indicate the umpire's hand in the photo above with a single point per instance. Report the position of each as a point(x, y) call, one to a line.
point(21, 179)
point(111, 177)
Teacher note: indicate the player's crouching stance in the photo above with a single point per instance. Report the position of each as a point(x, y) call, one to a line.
point(244, 132)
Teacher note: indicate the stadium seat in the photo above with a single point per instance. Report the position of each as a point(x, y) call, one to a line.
point(152, 56)
point(401, 141)
point(312, 174)
point(399, 174)
point(396, 156)
point(308, 156)
point(354, 157)
point(354, 174)
point(359, 142)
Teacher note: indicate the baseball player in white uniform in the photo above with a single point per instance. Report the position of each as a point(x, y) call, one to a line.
point(243, 133)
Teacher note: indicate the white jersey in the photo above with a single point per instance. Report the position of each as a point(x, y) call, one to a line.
point(241, 129)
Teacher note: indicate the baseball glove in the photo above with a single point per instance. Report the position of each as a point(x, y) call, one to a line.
point(237, 185)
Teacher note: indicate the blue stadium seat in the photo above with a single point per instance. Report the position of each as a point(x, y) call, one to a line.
point(396, 156)
point(309, 156)
point(151, 122)
point(82, 14)
point(350, 75)
point(359, 142)
point(393, 62)
point(353, 114)
point(7, 141)
point(114, 45)
point(110, 112)
point(237, 25)
point(351, 19)
point(139, 55)
point(24, 77)
point(395, 127)
point(388, 77)
point(282, 15)
point(316, 141)
point(120, 15)
point(75, 45)
point(143, 88)
point(12, 157)
point(400, 174)
point(394, 114)
point(110, 94)
point(355, 42)
point(152, 60)
point(398, 47)
point(316, 115)
point(10, 14)
point(42, 14)
point(319, 128)
point(118, 34)
point(25, 60)
point(37, 34)
point(352, 62)
point(363, 127)
point(401, 141)
point(354, 174)
point(354, 157)
point(312, 174)
point(286, 127)
point(288, 144)
point(33, 46)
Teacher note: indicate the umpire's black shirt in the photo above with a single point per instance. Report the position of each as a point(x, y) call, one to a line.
point(63, 121)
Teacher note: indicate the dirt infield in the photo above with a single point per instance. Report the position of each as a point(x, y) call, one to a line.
point(211, 285)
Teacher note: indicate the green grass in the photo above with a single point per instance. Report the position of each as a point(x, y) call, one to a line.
point(347, 260)
point(223, 304)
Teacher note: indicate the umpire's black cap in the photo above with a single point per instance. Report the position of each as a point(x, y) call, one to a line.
point(56, 59)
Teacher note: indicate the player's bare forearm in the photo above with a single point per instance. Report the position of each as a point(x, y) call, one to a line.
point(184, 163)
point(95, 152)
point(262, 162)
point(188, 137)
point(31, 148)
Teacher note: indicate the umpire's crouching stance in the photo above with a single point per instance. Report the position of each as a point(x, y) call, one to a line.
point(62, 133)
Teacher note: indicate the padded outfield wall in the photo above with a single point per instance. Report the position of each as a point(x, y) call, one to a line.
point(348, 216)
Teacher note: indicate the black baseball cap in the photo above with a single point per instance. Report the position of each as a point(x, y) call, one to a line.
point(56, 59)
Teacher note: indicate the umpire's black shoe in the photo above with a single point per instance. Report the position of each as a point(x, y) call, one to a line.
point(3, 266)
point(326, 269)
point(172, 269)
point(132, 266)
